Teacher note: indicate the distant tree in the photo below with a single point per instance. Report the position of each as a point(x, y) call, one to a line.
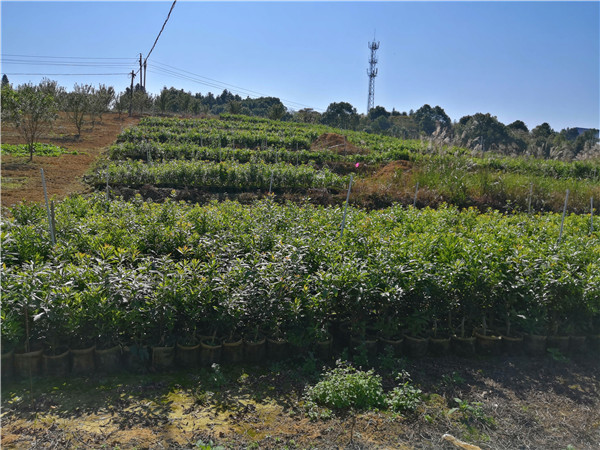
point(307, 115)
point(121, 103)
point(277, 111)
point(162, 101)
point(184, 99)
point(340, 115)
point(403, 126)
point(542, 131)
point(31, 110)
point(5, 80)
point(570, 134)
point(196, 106)
point(142, 101)
point(381, 124)
point(485, 132)
point(227, 97)
point(376, 112)
point(587, 140)
point(77, 104)
point(518, 125)
point(100, 102)
point(429, 119)
point(234, 107)
point(541, 141)
point(209, 100)
point(262, 106)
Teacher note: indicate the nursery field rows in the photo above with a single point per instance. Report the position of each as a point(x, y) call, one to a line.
point(174, 150)
point(146, 273)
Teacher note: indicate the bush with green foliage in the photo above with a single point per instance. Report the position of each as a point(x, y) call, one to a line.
point(344, 388)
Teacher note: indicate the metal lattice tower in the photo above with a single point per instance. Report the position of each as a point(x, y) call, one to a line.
point(372, 72)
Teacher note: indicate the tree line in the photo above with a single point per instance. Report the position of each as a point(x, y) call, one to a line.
point(32, 109)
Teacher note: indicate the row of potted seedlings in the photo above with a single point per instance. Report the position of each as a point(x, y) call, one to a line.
point(255, 347)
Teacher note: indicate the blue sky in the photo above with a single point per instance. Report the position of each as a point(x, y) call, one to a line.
point(533, 61)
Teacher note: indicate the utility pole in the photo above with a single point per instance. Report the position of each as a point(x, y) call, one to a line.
point(145, 68)
point(372, 73)
point(141, 73)
point(131, 94)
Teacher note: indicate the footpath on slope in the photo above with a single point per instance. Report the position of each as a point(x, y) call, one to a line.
point(21, 179)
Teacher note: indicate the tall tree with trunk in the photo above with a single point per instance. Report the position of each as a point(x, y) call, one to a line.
point(31, 110)
point(77, 104)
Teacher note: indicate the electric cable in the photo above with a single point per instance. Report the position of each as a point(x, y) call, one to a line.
point(219, 84)
point(57, 57)
point(66, 74)
point(159, 33)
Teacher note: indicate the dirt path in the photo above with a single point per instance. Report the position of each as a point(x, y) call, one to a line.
point(21, 179)
point(505, 403)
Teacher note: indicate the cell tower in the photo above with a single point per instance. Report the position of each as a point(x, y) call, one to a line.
point(372, 72)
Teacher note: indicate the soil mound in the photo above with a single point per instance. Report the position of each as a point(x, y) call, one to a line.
point(336, 143)
point(390, 169)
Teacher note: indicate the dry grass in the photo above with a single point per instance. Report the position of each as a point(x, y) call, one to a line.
point(516, 402)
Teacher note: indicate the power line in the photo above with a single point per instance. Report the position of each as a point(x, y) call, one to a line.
point(194, 77)
point(171, 73)
point(210, 79)
point(177, 73)
point(159, 33)
point(54, 74)
point(56, 57)
point(70, 64)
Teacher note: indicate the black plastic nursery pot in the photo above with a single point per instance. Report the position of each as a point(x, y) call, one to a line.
point(28, 364)
point(577, 345)
point(210, 352)
point(488, 345)
point(8, 365)
point(277, 348)
point(512, 345)
point(395, 343)
point(136, 357)
point(83, 360)
point(323, 349)
point(57, 365)
point(534, 344)
point(342, 335)
point(255, 350)
point(463, 346)
point(109, 360)
point(439, 346)
point(187, 356)
point(415, 347)
point(163, 358)
point(369, 343)
point(233, 351)
point(558, 342)
point(593, 344)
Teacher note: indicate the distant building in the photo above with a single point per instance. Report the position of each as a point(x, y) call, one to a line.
point(580, 131)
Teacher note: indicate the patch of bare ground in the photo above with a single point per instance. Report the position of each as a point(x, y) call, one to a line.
point(63, 173)
point(507, 403)
point(338, 144)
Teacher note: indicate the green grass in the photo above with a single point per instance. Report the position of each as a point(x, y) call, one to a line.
point(11, 183)
point(40, 150)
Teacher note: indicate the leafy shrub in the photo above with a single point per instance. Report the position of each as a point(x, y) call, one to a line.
point(344, 388)
point(404, 398)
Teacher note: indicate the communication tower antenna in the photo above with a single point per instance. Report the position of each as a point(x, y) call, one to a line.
point(372, 73)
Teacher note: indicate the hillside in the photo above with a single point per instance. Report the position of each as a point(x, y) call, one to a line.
point(387, 170)
point(21, 180)
point(139, 317)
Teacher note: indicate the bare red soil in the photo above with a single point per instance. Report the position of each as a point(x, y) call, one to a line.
point(21, 179)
